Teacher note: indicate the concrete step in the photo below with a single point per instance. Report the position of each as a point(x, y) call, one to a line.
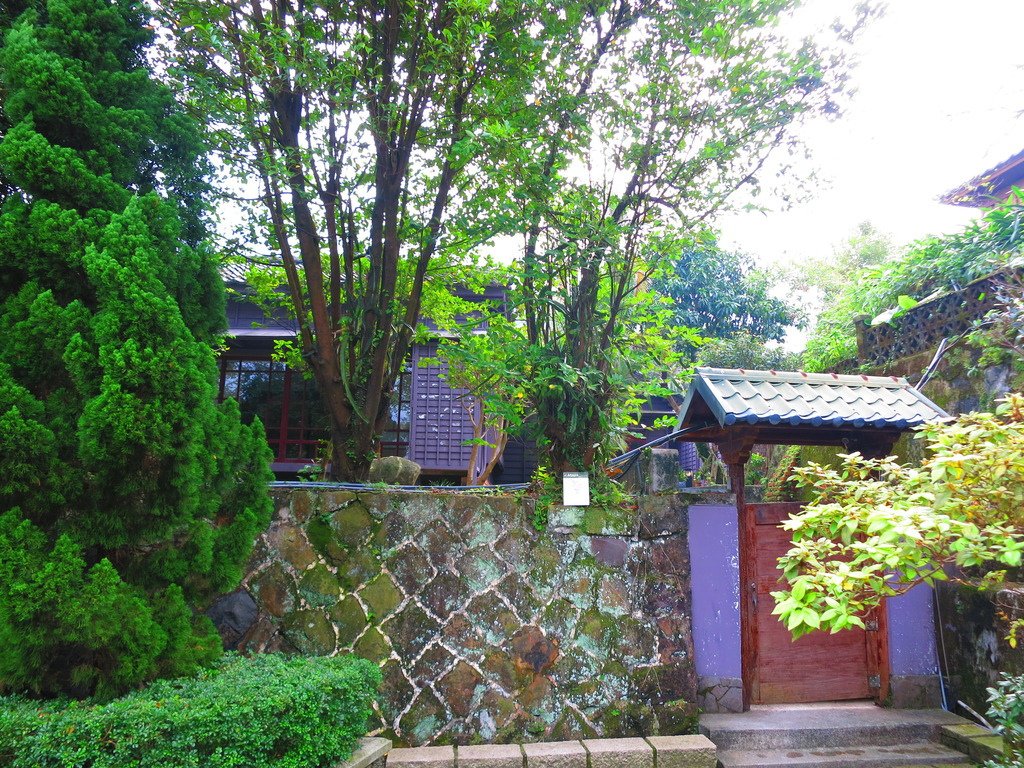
point(898, 755)
point(833, 725)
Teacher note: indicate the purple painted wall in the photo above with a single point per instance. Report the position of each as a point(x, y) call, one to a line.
point(715, 582)
point(912, 633)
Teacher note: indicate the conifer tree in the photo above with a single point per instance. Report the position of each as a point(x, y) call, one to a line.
point(127, 496)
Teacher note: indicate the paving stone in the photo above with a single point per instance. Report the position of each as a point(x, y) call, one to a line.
point(489, 756)
point(683, 751)
point(619, 753)
point(555, 754)
point(422, 757)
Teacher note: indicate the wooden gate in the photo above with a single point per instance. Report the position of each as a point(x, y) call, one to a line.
point(818, 666)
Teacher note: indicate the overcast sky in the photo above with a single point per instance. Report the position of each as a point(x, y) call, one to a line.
point(940, 88)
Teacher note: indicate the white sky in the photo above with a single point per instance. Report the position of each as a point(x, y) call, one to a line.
point(940, 85)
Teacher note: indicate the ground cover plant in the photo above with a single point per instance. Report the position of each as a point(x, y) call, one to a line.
point(877, 528)
point(127, 496)
point(262, 712)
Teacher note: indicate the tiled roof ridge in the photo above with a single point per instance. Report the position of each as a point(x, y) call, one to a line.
point(803, 377)
point(979, 186)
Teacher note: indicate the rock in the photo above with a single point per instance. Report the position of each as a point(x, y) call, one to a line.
point(395, 690)
point(349, 620)
point(459, 687)
point(609, 551)
point(290, 542)
point(532, 650)
point(394, 470)
point(411, 631)
point(444, 595)
point(233, 615)
point(662, 515)
point(319, 586)
point(381, 597)
point(424, 719)
point(310, 632)
point(274, 587)
point(372, 645)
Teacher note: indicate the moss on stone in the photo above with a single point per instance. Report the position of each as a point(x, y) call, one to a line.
point(357, 569)
point(381, 596)
point(321, 536)
point(310, 632)
point(349, 620)
point(351, 525)
point(609, 520)
point(372, 645)
point(319, 586)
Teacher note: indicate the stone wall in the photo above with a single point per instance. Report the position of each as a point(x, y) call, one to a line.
point(486, 629)
point(974, 648)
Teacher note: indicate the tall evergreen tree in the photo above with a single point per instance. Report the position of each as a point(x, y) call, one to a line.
point(127, 496)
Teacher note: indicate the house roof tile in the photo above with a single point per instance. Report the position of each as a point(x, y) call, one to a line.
point(737, 396)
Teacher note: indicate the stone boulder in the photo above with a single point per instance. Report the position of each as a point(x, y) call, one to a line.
point(394, 470)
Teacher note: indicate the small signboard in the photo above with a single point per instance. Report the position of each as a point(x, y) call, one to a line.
point(576, 489)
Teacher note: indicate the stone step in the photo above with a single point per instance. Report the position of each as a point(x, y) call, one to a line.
point(838, 725)
point(897, 755)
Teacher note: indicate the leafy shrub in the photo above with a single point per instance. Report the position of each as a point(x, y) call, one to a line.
point(1006, 710)
point(933, 266)
point(876, 528)
point(244, 713)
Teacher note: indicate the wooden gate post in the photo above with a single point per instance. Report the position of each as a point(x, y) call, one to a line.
point(735, 453)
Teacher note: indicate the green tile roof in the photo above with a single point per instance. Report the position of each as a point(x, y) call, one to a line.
point(736, 396)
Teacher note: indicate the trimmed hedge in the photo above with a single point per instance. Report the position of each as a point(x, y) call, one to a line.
point(267, 711)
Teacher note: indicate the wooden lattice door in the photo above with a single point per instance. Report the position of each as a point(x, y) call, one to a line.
point(818, 666)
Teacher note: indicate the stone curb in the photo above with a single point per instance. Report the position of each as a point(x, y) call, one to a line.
point(652, 752)
point(978, 743)
point(369, 750)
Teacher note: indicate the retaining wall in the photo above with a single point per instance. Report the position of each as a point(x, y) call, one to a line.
point(486, 629)
point(974, 648)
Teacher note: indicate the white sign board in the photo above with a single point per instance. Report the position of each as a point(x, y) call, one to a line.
point(576, 489)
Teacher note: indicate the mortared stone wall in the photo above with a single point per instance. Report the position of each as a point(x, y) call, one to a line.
point(486, 629)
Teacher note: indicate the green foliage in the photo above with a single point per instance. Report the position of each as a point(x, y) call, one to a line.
point(266, 711)
point(782, 484)
point(719, 294)
point(488, 364)
point(931, 267)
point(1000, 334)
point(126, 494)
point(743, 350)
point(385, 145)
point(1006, 710)
point(877, 528)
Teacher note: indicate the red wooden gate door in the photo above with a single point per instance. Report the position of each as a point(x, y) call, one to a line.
point(818, 666)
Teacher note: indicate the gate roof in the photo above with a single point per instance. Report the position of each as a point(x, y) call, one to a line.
point(796, 408)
